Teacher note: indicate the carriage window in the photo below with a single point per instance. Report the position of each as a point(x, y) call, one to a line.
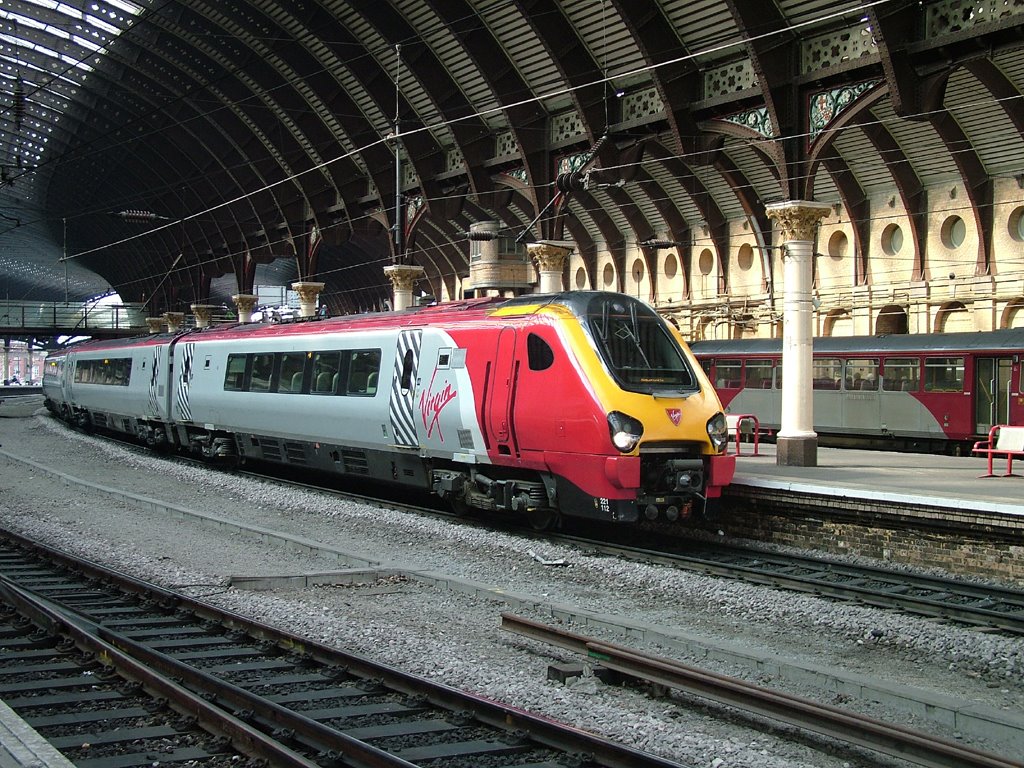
point(539, 353)
point(291, 369)
point(363, 370)
point(110, 371)
point(234, 377)
point(901, 375)
point(325, 372)
point(262, 368)
point(944, 374)
point(862, 373)
point(758, 374)
point(827, 373)
point(728, 374)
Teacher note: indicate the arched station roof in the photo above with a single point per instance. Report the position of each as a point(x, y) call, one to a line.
point(179, 150)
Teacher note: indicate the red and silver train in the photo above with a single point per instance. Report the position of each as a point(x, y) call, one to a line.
point(582, 404)
point(923, 392)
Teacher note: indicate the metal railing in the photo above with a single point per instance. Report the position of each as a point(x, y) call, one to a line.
point(71, 319)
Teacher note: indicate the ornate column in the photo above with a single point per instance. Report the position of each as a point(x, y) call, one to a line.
point(203, 313)
point(797, 442)
point(403, 277)
point(155, 324)
point(245, 303)
point(308, 293)
point(550, 256)
point(174, 321)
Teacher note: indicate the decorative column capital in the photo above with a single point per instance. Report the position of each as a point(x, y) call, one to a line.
point(174, 320)
point(203, 313)
point(245, 303)
point(308, 293)
point(403, 276)
point(550, 255)
point(797, 218)
point(155, 324)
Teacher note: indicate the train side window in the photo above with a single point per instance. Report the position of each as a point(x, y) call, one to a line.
point(901, 374)
point(292, 366)
point(862, 373)
point(728, 374)
point(363, 372)
point(758, 374)
point(539, 353)
point(262, 371)
point(827, 373)
point(234, 376)
point(325, 372)
point(944, 374)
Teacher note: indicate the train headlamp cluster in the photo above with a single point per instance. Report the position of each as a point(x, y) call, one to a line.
point(625, 431)
point(718, 431)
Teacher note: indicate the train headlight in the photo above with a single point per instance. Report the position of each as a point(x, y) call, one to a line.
point(625, 431)
point(718, 431)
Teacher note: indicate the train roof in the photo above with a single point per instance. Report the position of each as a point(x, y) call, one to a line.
point(454, 312)
point(1008, 340)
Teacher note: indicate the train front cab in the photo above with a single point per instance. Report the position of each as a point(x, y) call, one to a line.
point(662, 416)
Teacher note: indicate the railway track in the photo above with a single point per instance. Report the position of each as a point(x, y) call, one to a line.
point(980, 605)
point(262, 692)
point(915, 746)
point(987, 607)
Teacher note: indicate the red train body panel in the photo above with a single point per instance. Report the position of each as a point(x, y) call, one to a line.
point(579, 404)
point(912, 392)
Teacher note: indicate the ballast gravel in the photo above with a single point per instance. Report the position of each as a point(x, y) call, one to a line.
point(454, 637)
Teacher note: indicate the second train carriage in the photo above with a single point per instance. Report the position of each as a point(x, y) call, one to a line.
point(930, 392)
point(583, 403)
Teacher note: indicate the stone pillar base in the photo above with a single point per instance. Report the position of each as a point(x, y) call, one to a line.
point(796, 451)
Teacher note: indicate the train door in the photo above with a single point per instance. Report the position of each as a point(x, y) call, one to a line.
point(499, 392)
point(992, 392)
point(401, 407)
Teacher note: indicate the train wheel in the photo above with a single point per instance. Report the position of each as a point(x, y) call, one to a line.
point(542, 519)
point(459, 506)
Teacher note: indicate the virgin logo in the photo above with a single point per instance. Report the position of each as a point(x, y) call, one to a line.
point(432, 403)
point(674, 414)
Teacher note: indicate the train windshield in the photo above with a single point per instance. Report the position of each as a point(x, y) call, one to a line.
point(636, 346)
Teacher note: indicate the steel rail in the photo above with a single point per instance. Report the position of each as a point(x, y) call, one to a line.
point(210, 718)
point(543, 731)
point(850, 727)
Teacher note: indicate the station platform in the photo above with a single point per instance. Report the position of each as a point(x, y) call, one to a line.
point(22, 747)
point(945, 483)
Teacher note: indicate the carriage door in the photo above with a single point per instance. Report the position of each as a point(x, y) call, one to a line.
point(499, 391)
point(403, 388)
point(992, 392)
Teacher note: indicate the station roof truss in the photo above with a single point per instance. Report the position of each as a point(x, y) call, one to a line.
point(171, 150)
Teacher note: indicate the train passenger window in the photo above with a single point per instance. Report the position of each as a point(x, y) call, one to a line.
point(363, 371)
point(758, 374)
point(539, 353)
point(262, 370)
point(862, 373)
point(944, 374)
point(827, 373)
point(291, 367)
point(234, 375)
point(728, 374)
point(902, 374)
point(325, 372)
